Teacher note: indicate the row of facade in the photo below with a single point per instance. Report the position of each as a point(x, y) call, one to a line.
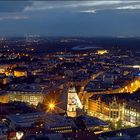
point(115, 107)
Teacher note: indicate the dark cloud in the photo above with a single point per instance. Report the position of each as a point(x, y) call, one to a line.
point(73, 18)
point(14, 6)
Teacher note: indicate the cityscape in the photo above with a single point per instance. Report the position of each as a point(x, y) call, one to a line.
point(69, 84)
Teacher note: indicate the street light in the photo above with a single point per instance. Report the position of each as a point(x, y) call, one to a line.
point(51, 106)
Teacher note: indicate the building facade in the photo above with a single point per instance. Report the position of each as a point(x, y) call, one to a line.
point(115, 108)
point(30, 97)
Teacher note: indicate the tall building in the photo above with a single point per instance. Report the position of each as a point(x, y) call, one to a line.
point(73, 102)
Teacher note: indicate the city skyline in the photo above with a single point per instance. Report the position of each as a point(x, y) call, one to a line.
point(70, 70)
point(70, 18)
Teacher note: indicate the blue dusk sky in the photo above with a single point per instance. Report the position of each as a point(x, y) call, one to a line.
point(70, 18)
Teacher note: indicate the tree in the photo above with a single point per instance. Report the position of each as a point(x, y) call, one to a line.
point(119, 124)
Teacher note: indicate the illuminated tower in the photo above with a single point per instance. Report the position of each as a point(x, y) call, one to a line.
point(73, 102)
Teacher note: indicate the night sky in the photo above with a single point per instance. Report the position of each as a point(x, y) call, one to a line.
point(70, 18)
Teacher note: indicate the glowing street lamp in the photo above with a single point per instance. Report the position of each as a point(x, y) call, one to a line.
point(19, 135)
point(51, 106)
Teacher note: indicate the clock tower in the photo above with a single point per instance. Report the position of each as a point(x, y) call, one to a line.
point(73, 102)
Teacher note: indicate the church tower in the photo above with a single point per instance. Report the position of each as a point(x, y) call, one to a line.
point(73, 102)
